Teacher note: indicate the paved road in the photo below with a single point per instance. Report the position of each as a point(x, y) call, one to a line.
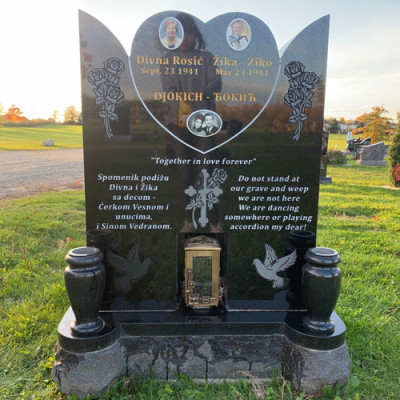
point(27, 172)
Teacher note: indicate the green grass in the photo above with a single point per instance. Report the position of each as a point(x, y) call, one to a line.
point(21, 138)
point(357, 217)
point(361, 220)
point(337, 141)
point(70, 137)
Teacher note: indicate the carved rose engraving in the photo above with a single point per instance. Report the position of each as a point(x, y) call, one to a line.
point(300, 93)
point(107, 90)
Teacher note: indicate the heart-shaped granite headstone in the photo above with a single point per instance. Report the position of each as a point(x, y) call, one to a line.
point(204, 83)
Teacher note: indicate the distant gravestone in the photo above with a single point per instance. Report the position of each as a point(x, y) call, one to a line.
point(202, 165)
point(324, 158)
point(49, 143)
point(373, 155)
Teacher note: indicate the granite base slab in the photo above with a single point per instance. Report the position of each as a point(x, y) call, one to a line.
point(126, 349)
point(372, 163)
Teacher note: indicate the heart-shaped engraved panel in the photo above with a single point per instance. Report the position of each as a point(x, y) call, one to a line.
point(204, 83)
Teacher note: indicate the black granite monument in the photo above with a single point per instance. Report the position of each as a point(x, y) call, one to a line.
point(202, 154)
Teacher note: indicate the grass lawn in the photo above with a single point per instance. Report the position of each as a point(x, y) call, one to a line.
point(70, 137)
point(357, 217)
point(20, 138)
point(337, 141)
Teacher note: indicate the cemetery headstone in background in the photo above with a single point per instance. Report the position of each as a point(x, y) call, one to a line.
point(202, 161)
point(324, 159)
point(49, 143)
point(373, 155)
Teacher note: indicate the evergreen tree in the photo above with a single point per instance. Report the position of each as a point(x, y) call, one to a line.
point(334, 126)
point(394, 158)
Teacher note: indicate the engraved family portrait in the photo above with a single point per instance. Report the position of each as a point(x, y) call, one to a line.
point(204, 123)
point(238, 34)
point(171, 33)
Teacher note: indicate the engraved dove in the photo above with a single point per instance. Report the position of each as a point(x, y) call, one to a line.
point(127, 270)
point(272, 265)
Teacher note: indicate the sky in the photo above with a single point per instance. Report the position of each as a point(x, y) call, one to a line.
point(40, 67)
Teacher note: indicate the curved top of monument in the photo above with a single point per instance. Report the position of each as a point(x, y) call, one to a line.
point(182, 69)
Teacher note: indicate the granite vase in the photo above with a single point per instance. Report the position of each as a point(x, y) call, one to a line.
point(85, 280)
point(321, 287)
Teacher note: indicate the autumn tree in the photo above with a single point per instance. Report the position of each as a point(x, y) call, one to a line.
point(375, 125)
point(71, 115)
point(2, 117)
point(14, 114)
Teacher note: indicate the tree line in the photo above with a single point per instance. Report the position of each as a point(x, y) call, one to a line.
point(15, 116)
point(375, 125)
